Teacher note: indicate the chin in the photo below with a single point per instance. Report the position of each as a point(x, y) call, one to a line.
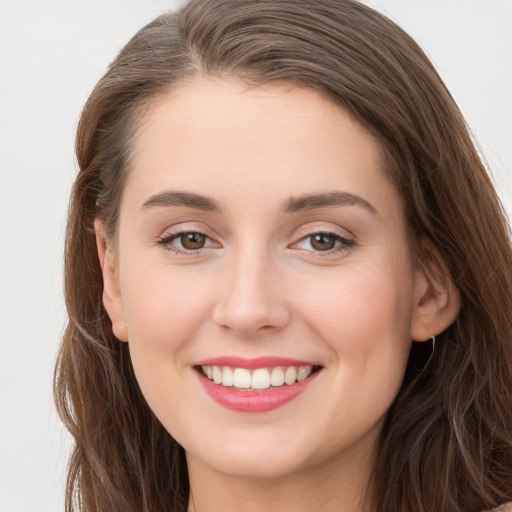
point(255, 463)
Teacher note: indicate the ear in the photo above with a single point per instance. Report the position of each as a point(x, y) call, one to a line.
point(436, 300)
point(111, 293)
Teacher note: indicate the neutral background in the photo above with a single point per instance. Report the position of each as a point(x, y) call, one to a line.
point(51, 54)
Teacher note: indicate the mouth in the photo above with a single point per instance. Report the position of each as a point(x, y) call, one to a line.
point(256, 385)
point(258, 379)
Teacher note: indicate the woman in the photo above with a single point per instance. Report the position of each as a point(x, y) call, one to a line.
point(288, 276)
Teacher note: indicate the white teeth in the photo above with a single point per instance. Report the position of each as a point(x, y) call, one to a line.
point(258, 379)
point(227, 376)
point(241, 378)
point(217, 375)
point(304, 372)
point(277, 377)
point(290, 376)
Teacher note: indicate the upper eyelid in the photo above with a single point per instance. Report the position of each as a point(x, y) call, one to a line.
point(338, 237)
point(186, 228)
point(300, 233)
point(342, 233)
point(168, 236)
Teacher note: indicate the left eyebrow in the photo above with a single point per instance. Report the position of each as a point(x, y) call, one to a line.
point(326, 200)
point(190, 200)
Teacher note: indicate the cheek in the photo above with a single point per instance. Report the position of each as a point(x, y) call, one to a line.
point(360, 309)
point(164, 314)
point(163, 306)
point(364, 316)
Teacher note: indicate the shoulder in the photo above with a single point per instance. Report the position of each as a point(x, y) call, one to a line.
point(503, 508)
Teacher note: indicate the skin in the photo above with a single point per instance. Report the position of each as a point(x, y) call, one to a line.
point(259, 287)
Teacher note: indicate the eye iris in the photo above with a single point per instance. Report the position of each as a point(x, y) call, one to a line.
point(192, 241)
point(323, 242)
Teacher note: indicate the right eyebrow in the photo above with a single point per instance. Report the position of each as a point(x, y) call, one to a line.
point(170, 198)
point(325, 200)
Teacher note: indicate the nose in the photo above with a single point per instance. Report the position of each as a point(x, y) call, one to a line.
point(252, 300)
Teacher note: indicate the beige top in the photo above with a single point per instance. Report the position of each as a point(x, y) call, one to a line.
point(504, 508)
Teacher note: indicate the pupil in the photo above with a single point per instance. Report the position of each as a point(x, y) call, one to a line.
point(192, 240)
point(323, 242)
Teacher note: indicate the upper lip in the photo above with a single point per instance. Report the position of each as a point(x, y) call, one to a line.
point(253, 363)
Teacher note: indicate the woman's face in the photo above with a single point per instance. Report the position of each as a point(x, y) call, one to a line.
point(260, 241)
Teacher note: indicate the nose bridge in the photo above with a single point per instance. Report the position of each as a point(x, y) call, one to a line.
point(250, 299)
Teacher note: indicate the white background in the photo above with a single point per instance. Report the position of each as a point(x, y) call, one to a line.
point(51, 54)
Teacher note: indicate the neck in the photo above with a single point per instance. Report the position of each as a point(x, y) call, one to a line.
point(334, 487)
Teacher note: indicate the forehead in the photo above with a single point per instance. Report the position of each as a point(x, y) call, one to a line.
point(226, 136)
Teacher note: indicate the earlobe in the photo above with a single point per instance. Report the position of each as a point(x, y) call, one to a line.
point(437, 299)
point(111, 294)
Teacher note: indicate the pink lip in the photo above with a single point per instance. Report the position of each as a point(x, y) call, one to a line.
point(251, 364)
point(254, 401)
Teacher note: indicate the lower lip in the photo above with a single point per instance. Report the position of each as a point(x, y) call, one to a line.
point(254, 401)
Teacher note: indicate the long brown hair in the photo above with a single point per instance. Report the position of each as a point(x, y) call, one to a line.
point(447, 442)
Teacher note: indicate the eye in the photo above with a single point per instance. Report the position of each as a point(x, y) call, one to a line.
point(324, 242)
point(186, 241)
point(192, 241)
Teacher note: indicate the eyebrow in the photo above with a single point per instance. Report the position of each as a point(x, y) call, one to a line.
point(326, 200)
point(188, 199)
point(291, 205)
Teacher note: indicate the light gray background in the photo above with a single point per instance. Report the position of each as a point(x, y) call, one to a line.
point(51, 54)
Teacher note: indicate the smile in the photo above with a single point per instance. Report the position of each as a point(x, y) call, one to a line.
point(255, 385)
point(257, 379)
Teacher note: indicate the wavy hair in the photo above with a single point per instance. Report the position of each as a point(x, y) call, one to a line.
point(447, 442)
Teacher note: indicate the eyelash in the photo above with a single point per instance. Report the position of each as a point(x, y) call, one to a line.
point(167, 242)
point(345, 244)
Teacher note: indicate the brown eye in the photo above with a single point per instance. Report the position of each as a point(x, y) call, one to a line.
point(192, 241)
point(188, 243)
point(323, 241)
